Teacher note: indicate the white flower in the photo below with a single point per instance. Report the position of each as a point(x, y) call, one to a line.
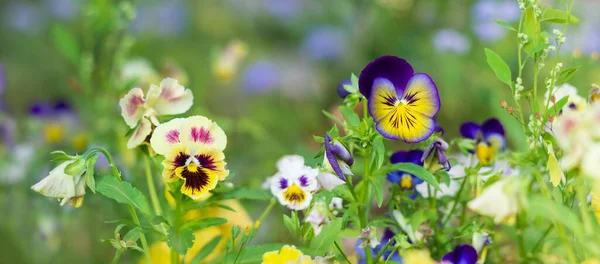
point(65, 182)
point(170, 98)
point(329, 181)
point(498, 201)
point(590, 164)
point(480, 240)
point(317, 217)
point(336, 204)
point(573, 134)
point(294, 183)
point(574, 103)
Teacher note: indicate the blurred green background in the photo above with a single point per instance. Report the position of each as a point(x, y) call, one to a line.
point(263, 69)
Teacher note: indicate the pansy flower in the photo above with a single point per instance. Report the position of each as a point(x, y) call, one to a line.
point(337, 162)
point(141, 113)
point(574, 101)
point(499, 201)
point(403, 104)
point(462, 254)
point(489, 139)
point(434, 158)
point(405, 180)
point(294, 182)
point(66, 182)
point(193, 150)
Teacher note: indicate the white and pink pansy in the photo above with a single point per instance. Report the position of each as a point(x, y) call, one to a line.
point(294, 183)
point(141, 113)
point(193, 150)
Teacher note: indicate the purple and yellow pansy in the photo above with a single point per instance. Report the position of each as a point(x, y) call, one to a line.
point(405, 180)
point(141, 113)
point(193, 150)
point(462, 254)
point(403, 104)
point(294, 182)
point(489, 139)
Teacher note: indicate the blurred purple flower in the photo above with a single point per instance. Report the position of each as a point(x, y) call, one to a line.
point(451, 40)
point(325, 43)
point(8, 128)
point(23, 17)
point(166, 19)
point(586, 36)
point(63, 9)
point(486, 11)
point(260, 77)
point(44, 109)
point(101, 163)
point(284, 9)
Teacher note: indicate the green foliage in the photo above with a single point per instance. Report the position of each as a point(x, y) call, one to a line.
point(531, 28)
point(505, 25)
point(558, 16)
point(412, 169)
point(323, 242)
point(204, 223)
point(89, 173)
point(499, 67)
point(66, 43)
point(180, 240)
point(123, 192)
point(206, 250)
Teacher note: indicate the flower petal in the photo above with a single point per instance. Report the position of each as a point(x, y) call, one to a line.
point(57, 184)
point(395, 69)
point(421, 95)
point(413, 156)
point(140, 134)
point(200, 132)
point(168, 136)
point(173, 98)
point(341, 91)
point(132, 106)
point(329, 181)
point(462, 254)
point(290, 163)
point(330, 158)
point(490, 127)
point(469, 130)
point(383, 99)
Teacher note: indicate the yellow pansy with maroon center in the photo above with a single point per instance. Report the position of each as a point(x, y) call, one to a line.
point(193, 150)
point(403, 104)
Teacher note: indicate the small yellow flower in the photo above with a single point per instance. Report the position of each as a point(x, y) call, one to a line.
point(287, 253)
point(79, 142)
point(53, 133)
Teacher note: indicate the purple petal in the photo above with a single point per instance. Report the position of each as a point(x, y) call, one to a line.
point(331, 158)
point(283, 183)
point(395, 69)
point(462, 254)
point(492, 126)
point(400, 156)
point(469, 130)
point(341, 91)
point(413, 156)
point(303, 181)
point(394, 176)
point(342, 153)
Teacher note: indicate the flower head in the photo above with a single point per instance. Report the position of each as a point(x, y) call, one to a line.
point(418, 256)
point(66, 182)
point(480, 240)
point(407, 181)
point(462, 254)
point(226, 65)
point(341, 91)
point(574, 103)
point(434, 158)
point(337, 158)
point(170, 98)
point(193, 150)
point(285, 255)
point(594, 94)
point(377, 246)
point(499, 201)
point(403, 104)
point(489, 139)
point(294, 182)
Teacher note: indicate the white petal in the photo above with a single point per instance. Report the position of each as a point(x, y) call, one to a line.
point(329, 181)
point(173, 98)
point(140, 134)
point(168, 136)
point(590, 165)
point(132, 106)
point(57, 184)
point(200, 132)
point(290, 163)
point(495, 202)
point(311, 175)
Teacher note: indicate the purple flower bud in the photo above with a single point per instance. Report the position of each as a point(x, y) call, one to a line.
point(434, 158)
point(337, 157)
point(341, 91)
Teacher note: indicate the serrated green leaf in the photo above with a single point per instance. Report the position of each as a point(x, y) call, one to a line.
point(379, 149)
point(204, 223)
point(413, 169)
point(66, 43)
point(206, 250)
point(351, 118)
point(334, 131)
point(558, 16)
point(289, 224)
point(322, 243)
point(377, 187)
point(90, 181)
point(499, 67)
point(505, 25)
point(123, 192)
point(180, 241)
point(157, 220)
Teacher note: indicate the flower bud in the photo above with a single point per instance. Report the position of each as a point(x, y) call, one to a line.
point(503, 104)
point(510, 110)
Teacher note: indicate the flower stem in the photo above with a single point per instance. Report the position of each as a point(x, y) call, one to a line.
point(117, 256)
point(134, 216)
point(456, 199)
point(151, 187)
point(337, 245)
point(174, 257)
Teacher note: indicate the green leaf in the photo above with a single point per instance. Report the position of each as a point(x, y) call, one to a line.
point(413, 169)
point(499, 67)
point(377, 187)
point(133, 234)
point(566, 74)
point(540, 47)
point(206, 250)
point(90, 181)
point(379, 148)
point(180, 241)
point(289, 224)
point(123, 192)
point(204, 223)
point(253, 254)
point(157, 220)
point(543, 208)
point(351, 211)
point(558, 16)
point(322, 243)
point(531, 28)
point(318, 139)
point(246, 193)
point(66, 43)
point(351, 118)
point(330, 116)
point(343, 192)
point(555, 109)
point(334, 131)
point(505, 25)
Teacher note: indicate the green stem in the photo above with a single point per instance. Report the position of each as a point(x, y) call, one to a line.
point(174, 257)
point(134, 217)
point(583, 206)
point(361, 215)
point(539, 242)
point(115, 260)
point(151, 187)
point(342, 251)
point(456, 200)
